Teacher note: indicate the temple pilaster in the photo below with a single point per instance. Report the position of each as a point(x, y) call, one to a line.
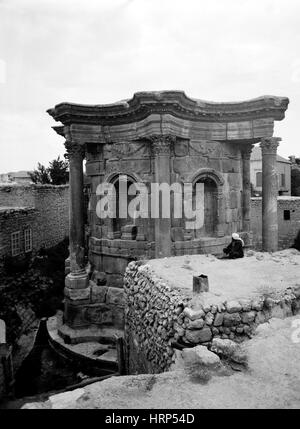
point(246, 203)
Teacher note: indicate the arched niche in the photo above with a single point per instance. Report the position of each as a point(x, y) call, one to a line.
point(213, 202)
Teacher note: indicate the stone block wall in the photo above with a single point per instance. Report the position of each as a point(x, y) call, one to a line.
point(151, 312)
point(13, 220)
point(157, 316)
point(17, 195)
point(52, 203)
point(99, 305)
point(287, 228)
point(43, 208)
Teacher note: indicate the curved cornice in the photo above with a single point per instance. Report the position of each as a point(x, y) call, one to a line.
point(175, 103)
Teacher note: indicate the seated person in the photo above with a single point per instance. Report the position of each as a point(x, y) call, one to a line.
point(235, 248)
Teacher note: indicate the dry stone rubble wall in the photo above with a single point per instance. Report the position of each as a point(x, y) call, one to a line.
point(158, 315)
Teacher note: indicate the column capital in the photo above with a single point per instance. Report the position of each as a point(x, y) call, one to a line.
point(74, 150)
point(246, 151)
point(161, 144)
point(269, 145)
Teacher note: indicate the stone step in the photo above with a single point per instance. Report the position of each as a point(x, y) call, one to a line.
point(100, 335)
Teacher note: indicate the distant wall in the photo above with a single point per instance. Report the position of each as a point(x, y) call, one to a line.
point(43, 208)
point(13, 220)
point(287, 228)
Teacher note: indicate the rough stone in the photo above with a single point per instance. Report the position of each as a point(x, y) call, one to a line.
point(218, 319)
point(248, 317)
point(201, 356)
point(246, 304)
point(193, 314)
point(200, 336)
point(65, 400)
point(196, 324)
point(115, 296)
point(209, 318)
point(233, 306)
point(224, 347)
point(232, 319)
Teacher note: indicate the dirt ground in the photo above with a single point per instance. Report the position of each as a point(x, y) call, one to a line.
point(272, 381)
point(255, 274)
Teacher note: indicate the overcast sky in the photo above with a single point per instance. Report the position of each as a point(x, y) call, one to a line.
point(103, 51)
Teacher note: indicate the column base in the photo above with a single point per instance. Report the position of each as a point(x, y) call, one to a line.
point(77, 281)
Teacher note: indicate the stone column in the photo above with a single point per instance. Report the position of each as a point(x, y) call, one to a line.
point(269, 194)
point(161, 150)
point(76, 281)
point(246, 154)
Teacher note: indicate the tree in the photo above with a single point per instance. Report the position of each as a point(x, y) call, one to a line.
point(40, 175)
point(58, 171)
point(56, 174)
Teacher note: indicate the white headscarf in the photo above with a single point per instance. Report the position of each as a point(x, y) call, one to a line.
point(236, 236)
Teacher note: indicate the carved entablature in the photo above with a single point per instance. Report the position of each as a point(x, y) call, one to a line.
point(269, 145)
point(74, 150)
point(174, 103)
point(162, 144)
point(205, 148)
point(129, 150)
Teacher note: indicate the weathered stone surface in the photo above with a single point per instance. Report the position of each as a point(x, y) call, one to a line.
point(65, 400)
point(201, 356)
point(246, 304)
point(218, 319)
point(198, 336)
point(232, 319)
point(248, 316)
point(193, 314)
point(99, 278)
point(233, 306)
point(98, 293)
point(260, 317)
point(115, 296)
point(99, 314)
point(77, 294)
point(257, 304)
point(224, 347)
point(196, 324)
point(209, 318)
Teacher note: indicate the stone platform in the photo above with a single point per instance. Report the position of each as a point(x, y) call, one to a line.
point(256, 274)
point(163, 313)
point(96, 348)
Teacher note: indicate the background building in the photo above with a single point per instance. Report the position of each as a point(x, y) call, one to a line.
point(283, 169)
point(31, 217)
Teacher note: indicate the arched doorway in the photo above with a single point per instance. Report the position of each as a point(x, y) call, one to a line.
point(122, 199)
point(209, 228)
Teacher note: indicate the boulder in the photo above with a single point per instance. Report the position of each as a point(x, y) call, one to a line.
point(233, 306)
point(201, 356)
point(229, 350)
point(193, 314)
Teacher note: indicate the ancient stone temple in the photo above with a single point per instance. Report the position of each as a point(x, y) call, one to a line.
point(160, 137)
